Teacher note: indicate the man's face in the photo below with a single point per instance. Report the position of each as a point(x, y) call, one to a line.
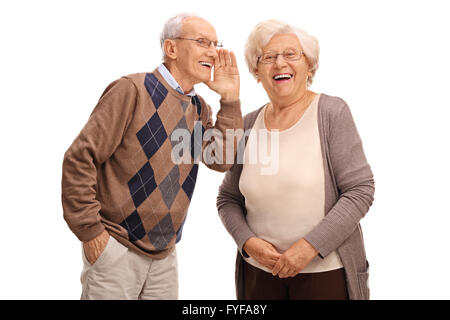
point(194, 61)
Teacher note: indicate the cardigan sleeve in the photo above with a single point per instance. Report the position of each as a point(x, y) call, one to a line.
point(231, 208)
point(354, 181)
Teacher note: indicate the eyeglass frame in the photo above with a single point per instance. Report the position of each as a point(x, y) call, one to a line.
point(217, 44)
point(302, 53)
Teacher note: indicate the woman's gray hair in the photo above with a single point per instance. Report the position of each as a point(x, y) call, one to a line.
point(172, 28)
point(265, 30)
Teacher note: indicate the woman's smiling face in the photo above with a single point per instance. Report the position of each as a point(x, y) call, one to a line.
point(283, 79)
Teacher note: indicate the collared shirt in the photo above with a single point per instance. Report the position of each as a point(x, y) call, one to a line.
point(172, 82)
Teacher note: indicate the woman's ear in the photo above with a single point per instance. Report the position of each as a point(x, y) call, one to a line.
point(258, 80)
point(170, 48)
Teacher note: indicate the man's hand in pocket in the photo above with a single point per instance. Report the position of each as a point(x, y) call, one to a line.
point(94, 248)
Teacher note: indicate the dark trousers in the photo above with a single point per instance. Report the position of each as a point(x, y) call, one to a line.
point(261, 285)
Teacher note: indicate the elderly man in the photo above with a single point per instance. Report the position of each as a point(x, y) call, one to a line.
point(124, 194)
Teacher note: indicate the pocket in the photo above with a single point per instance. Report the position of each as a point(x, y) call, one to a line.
point(363, 281)
point(101, 257)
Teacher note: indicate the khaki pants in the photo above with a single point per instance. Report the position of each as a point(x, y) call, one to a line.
point(120, 273)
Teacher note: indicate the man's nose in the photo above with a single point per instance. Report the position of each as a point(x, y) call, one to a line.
point(212, 51)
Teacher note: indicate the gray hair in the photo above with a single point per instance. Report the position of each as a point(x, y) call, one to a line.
point(172, 28)
point(264, 31)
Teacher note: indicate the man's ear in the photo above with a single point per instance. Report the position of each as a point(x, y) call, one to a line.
point(170, 48)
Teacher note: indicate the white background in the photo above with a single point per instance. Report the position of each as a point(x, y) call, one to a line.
point(388, 59)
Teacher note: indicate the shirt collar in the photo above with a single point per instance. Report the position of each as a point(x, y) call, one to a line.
point(172, 82)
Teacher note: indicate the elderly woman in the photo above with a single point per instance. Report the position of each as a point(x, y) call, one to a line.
point(297, 228)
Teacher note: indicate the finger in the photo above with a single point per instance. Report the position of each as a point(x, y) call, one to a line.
point(271, 263)
point(276, 269)
point(284, 272)
point(273, 260)
point(288, 272)
point(217, 59)
point(228, 58)
point(223, 60)
point(292, 273)
point(271, 255)
point(233, 59)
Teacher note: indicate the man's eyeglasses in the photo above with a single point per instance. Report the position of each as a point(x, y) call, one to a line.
point(288, 55)
point(203, 42)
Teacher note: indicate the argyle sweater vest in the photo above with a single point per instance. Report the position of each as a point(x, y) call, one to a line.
point(120, 172)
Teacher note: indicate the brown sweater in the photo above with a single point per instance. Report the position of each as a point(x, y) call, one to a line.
point(118, 173)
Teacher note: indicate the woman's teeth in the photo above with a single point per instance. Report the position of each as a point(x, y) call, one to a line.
point(206, 64)
point(282, 76)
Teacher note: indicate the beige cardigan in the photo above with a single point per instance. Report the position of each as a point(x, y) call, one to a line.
point(349, 190)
